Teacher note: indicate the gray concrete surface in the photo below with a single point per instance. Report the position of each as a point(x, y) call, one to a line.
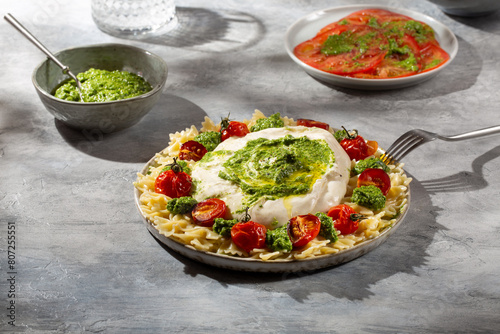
point(84, 262)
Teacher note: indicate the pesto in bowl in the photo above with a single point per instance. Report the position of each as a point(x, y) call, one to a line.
point(103, 86)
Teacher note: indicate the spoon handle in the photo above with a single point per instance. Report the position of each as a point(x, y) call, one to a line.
point(9, 18)
point(16, 24)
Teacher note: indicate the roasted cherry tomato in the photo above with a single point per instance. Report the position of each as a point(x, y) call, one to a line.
point(192, 150)
point(173, 183)
point(375, 177)
point(205, 212)
point(234, 129)
point(355, 147)
point(345, 219)
point(372, 147)
point(302, 229)
point(310, 123)
point(249, 235)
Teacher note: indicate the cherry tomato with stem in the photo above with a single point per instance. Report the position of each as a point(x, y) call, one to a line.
point(345, 219)
point(249, 235)
point(192, 150)
point(174, 182)
point(232, 129)
point(302, 229)
point(311, 123)
point(375, 177)
point(355, 146)
point(205, 212)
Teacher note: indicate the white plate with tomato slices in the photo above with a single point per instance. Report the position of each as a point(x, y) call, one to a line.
point(372, 67)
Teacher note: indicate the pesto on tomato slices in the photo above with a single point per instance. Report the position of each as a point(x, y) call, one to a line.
point(373, 44)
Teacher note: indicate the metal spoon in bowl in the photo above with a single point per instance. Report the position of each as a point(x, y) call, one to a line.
point(9, 18)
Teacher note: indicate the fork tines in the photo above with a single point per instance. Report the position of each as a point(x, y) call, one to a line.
point(402, 146)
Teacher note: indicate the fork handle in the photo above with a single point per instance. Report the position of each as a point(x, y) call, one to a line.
point(473, 134)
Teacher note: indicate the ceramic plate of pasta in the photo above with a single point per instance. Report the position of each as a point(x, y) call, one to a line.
point(271, 194)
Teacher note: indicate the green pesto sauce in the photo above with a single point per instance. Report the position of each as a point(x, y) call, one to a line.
point(209, 139)
point(273, 121)
point(346, 42)
point(421, 32)
point(103, 86)
point(337, 44)
point(433, 63)
point(276, 168)
point(211, 155)
point(410, 63)
point(417, 27)
point(373, 23)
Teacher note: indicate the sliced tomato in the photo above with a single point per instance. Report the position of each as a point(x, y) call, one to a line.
point(205, 212)
point(192, 150)
point(375, 177)
point(302, 229)
point(345, 219)
point(310, 123)
point(336, 27)
point(432, 56)
point(357, 46)
point(398, 64)
point(362, 50)
point(249, 235)
point(381, 15)
point(234, 129)
point(173, 184)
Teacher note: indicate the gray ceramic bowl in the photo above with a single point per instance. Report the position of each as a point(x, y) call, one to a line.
point(102, 116)
point(468, 7)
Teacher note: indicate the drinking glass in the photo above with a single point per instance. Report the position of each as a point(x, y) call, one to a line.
point(128, 18)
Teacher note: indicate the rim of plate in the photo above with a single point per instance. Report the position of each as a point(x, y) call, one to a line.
point(307, 27)
point(272, 266)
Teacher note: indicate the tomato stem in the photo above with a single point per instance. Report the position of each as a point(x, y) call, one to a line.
point(247, 216)
point(224, 123)
point(356, 217)
point(348, 134)
point(175, 167)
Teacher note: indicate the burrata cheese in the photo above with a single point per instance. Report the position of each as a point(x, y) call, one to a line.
point(262, 170)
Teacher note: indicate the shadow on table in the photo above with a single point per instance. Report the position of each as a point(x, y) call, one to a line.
point(489, 23)
point(404, 251)
point(464, 181)
point(140, 142)
point(210, 31)
point(461, 74)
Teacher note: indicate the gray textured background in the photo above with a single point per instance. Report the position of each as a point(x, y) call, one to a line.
point(86, 263)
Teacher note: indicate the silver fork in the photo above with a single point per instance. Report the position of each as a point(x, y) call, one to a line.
point(414, 138)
